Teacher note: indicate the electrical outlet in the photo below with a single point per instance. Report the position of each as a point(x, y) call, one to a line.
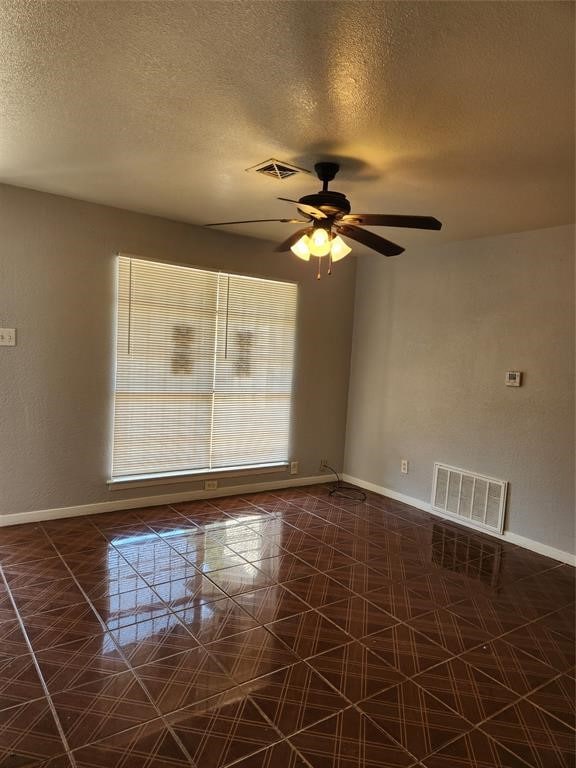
point(293, 467)
point(404, 466)
point(323, 465)
point(210, 485)
point(7, 337)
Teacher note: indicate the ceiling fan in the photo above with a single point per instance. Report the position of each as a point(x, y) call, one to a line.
point(327, 216)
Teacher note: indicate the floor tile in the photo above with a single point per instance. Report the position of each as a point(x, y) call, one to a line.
point(187, 593)
point(474, 750)
point(187, 678)
point(251, 654)
point(399, 601)
point(23, 535)
point(240, 578)
point(493, 616)
point(26, 553)
point(398, 566)
point(61, 626)
point(216, 621)
point(280, 755)
point(531, 603)
point(360, 578)
point(509, 666)
point(558, 698)
point(349, 740)
point(96, 563)
point(466, 690)
point(169, 569)
point(563, 622)
point(259, 549)
point(102, 708)
point(80, 662)
point(539, 739)
point(355, 671)
point(152, 639)
point(317, 590)
point(99, 586)
point(546, 645)
point(12, 641)
point(416, 720)
point(19, 681)
point(149, 514)
point(131, 607)
point(325, 558)
point(440, 589)
point(230, 535)
point(271, 604)
point(362, 550)
point(47, 596)
point(28, 735)
point(357, 616)
point(449, 630)
point(294, 698)
point(284, 567)
point(215, 559)
point(221, 730)
point(61, 761)
point(7, 610)
point(308, 633)
point(37, 572)
point(150, 746)
point(406, 650)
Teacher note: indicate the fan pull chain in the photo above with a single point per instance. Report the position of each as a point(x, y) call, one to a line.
point(318, 276)
point(329, 263)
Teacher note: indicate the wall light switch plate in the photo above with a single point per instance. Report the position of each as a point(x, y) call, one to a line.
point(7, 337)
point(513, 378)
point(210, 485)
point(293, 467)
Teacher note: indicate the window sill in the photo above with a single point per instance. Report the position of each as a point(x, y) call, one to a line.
point(139, 481)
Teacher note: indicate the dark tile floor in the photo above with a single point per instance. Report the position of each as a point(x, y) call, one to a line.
point(282, 630)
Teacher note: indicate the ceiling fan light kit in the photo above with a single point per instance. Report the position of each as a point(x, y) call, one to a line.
point(327, 214)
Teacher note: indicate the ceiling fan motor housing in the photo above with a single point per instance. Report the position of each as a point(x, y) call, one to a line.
point(332, 203)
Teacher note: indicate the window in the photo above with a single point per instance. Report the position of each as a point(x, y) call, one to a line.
point(204, 365)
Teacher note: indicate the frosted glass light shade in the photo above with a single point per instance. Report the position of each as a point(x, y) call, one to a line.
point(339, 249)
point(320, 242)
point(301, 248)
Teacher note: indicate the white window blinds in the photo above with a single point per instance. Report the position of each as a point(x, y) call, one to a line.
point(204, 365)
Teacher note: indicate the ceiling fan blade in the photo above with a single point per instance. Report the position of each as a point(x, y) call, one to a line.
point(385, 220)
point(294, 237)
point(373, 241)
point(256, 221)
point(316, 213)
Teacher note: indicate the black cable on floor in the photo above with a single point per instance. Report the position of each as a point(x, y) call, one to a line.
point(344, 490)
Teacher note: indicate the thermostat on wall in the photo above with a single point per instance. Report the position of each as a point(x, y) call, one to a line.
point(513, 378)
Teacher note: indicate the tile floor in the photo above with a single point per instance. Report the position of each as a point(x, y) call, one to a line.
point(282, 630)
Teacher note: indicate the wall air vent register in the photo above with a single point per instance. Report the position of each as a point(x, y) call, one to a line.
point(475, 500)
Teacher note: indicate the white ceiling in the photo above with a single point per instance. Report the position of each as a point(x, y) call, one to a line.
point(459, 110)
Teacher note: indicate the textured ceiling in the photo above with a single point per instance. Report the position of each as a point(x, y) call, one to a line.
point(460, 110)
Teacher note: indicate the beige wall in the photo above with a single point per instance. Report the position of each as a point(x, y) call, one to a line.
point(56, 288)
point(435, 331)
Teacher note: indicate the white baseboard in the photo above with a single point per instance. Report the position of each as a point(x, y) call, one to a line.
point(42, 515)
point(513, 538)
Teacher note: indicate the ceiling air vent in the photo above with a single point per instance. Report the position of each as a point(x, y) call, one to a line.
point(276, 169)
